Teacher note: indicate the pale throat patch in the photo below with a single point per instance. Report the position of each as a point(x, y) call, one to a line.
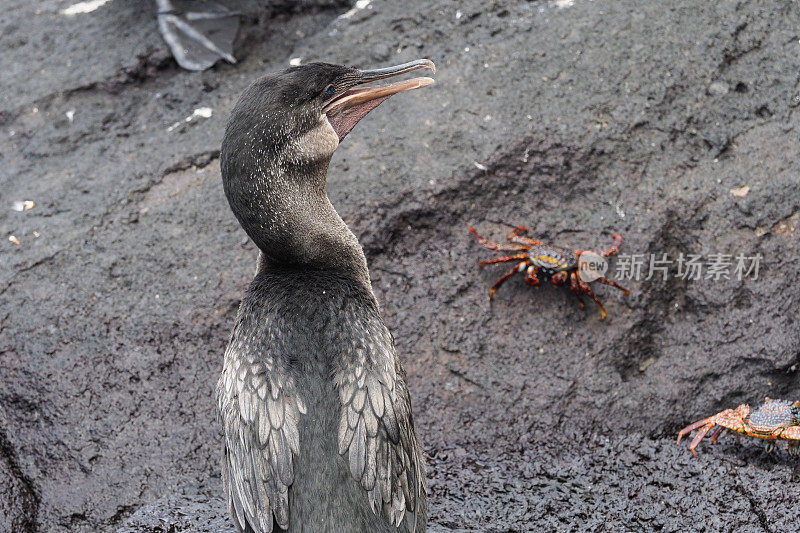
point(319, 142)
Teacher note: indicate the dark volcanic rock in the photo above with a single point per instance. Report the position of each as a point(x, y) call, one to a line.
point(18, 501)
point(589, 120)
point(195, 513)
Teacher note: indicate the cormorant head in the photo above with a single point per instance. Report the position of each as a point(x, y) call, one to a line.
point(277, 146)
point(301, 114)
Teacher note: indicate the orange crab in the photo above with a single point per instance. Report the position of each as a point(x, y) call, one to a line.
point(774, 420)
point(539, 262)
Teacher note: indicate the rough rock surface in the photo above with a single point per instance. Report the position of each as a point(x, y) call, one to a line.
point(585, 119)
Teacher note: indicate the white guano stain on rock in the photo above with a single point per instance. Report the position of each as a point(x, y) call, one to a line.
point(83, 7)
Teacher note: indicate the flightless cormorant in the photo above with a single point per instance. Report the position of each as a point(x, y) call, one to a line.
point(312, 398)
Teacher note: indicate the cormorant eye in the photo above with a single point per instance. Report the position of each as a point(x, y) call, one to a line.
point(330, 90)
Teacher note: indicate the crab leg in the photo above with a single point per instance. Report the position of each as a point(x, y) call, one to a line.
point(614, 247)
point(791, 433)
point(498, 247)
point(531, 276)
point(504, 259)
point(576, 290)
point(518, 236)
point(730, 419)
point(691, 427)
point(585, 288)
point(519, 268)
point(614, 284)
point(605, 253)
point(716, 434)
point(697, 438)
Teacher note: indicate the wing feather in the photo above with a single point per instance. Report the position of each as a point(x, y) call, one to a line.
point(376, 432)
point(259, 410)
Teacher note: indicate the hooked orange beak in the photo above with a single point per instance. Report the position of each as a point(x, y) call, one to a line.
point(346, 110)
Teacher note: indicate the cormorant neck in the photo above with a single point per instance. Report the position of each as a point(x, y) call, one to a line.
point(284, 208)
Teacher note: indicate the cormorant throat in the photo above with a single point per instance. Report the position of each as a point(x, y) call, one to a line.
point(300, 226)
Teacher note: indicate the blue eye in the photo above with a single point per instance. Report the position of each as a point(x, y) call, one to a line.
point(330, 90)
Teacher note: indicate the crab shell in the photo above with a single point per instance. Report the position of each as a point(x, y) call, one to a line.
point(774, 420)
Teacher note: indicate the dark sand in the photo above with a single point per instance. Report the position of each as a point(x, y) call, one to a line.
point(535, 415)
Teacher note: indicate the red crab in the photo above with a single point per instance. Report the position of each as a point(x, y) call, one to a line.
point(774, 420)
point(538, 260)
